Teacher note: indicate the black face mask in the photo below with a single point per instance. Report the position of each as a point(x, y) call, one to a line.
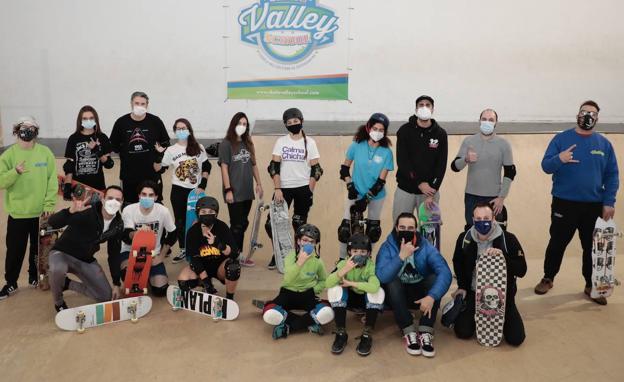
point(407, 236)
point(295, 129)
point(586, 122)
point(27, 135)
point(359, 260)
point(207, 220)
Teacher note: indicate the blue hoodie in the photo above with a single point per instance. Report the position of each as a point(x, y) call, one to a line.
point(426, 260)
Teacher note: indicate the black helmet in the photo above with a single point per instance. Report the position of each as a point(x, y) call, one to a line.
point(359, 241)
point(293, 112)
point(379, 118)
point(207, 202)
point(309, 230)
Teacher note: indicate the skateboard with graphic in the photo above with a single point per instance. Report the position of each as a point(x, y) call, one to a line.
point(280, 229)
point(254, 245)
point(490, 300)
point(357, 222)
point(430, 221)
point(603, 258)
point(140, 263)
point(191, 215)
point(47, 238)
point(211, 305)
point(80, 318)
point(81, 191)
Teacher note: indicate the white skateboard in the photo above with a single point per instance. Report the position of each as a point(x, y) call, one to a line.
point(603, 258)
point(282, 238)
point(219, 308)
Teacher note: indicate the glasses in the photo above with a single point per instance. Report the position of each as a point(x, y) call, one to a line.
point(592, 114)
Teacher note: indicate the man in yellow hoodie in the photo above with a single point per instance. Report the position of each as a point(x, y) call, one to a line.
point(28, 178)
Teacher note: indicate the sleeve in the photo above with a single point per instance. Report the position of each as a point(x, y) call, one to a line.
point(333, 279)
point(70, 148)
point(163, 135)
point(105, 144)
point(228, 239)
point(167, 157)
point(114, 260)
point(507, 154)
point(611, 178)
point(440, 167)
point(115, 137)
point(463, 280)
point(193, 241)
point(551, 162)
point(60, 219)
point(291, 269)
point(8, 174)
point(52, 190)
point(128, 219)
point(389, 163)
point(322, 276)
point(371, 284)
point(277, 148)
point(459, 163)
point(168, 222)
point(387, 264)
point(225, 152)
point(402, 153)
point(350, 155)
point(313, 152)
point(203, 156)
point(517, 265)
point(442, 272)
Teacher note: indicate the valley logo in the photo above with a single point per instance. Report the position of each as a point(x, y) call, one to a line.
point(287, 31)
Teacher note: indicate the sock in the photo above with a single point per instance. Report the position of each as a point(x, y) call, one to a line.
point(229, 296)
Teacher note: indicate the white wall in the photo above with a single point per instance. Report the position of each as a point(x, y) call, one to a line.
point(532, 60)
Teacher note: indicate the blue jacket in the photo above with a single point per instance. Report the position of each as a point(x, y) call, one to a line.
point(427, 259)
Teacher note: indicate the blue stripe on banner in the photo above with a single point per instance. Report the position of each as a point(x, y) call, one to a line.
point(289, 82)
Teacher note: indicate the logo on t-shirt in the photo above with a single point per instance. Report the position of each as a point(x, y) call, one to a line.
point(152, 226)
point(137, 142)
point(86, 162)
point(243, 156)
point(433, 143)
point(208, 250)
point(377, 159)
point(188, 169)
point(294, 154)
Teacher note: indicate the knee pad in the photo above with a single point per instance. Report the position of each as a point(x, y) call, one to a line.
point(188, 284)
point(322, 314)
point(197, 266)
point(344, 231)
point(375, 300)
point(268, 229)
point(298, 221)
point(232, 270)
point(274, 314)
point(158, 270)
point(337, 297)
point(160, 291)
point(373, 230)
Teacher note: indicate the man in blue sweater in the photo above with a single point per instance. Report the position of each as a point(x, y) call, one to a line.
point(412, 272)
point(585, 180)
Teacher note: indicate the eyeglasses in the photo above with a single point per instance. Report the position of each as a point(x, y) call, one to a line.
point(592, 114)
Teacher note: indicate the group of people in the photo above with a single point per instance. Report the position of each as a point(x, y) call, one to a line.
point(407, 273)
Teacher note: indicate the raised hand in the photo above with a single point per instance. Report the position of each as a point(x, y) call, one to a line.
point(567, 156)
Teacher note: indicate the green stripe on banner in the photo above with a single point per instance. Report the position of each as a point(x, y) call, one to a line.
point(99, 314)
point(324, 92)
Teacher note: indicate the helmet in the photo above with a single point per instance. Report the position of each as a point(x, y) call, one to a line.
point(309, 230)
point(359, 241)
point(207, 202)
point(379, 118)
point(292, 113)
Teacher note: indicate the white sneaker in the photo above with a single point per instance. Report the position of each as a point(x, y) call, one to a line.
point(179, 258)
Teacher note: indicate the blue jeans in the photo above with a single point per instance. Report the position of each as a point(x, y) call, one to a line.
point(401, 298)
point(470, 201)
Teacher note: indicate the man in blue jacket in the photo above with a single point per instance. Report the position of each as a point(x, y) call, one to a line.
point(412, 272)
point(585, 181)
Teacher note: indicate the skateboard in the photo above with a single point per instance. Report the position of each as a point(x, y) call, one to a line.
point(87, 316)
point(47, 238)
point(358, 223)
point(140, 263)
point(603, 258)
point(81, 191)
point(280, 227)
point(491, 275)
point(430, 222)
point(211, 305)
point(254, 245)
point(191, 216)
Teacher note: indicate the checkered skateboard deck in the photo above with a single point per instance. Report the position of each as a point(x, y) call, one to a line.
point(603, 258)
point(491, 275)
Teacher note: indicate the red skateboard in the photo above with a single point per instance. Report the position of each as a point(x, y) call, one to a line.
point(140, 263)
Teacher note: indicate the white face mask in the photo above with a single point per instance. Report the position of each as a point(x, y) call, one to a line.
point(139, 111)
point(240, 129)
point(487, 127)
point(423, 113)
point(112, 206)
point(376, 135)
point(88, 123)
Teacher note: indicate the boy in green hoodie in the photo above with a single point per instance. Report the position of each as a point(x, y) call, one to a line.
point(354, 285)
point(28, 176)
point(304, 279)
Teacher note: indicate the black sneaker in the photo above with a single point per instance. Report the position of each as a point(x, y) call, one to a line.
point(208, 287)
point(365, 345)
point(272, 265)
point(63, 306)
point(412, 345)
point(7, 290)
point(340, 342)
point(33, 281)
point(426, 344)
point(180, 257)
point(66, 284)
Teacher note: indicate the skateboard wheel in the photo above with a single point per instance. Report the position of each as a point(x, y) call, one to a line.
point(153, 254)
point(134, 253)
point(134, 320)
point(144, 290)
point(127, 290)
point(80, 330)
point(175, 308)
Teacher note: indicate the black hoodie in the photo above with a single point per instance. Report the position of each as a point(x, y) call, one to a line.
point(421, 155)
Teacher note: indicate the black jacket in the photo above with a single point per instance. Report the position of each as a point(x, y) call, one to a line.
point(465, 260)
point(421, 155)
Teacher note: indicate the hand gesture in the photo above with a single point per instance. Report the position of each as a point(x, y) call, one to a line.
point(426, 189)
point(493, 252)
point(303, 257)
point(21, 168)
point(93, 143)
point(407, 249)
point(78, 206)
point(567, 156)
point(208, 234)
point(426, 303)
point(279, 197)
point(471, 155)
point(497, 205)
point(159, 148)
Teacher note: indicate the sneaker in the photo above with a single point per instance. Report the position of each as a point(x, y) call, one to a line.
point(247, 263)
point(544, 286)
point(599, 300)
point(179, 257)
point(33, 282)
point(7, 290)
point(168, 253)
point(272, 265)
point(365, 345)
point(63, 306)
point(281, 331)
point(426, 344)
point(66, 284)
point(412, 346)
point(208, 287)
point(316, 329)
point(340, 342)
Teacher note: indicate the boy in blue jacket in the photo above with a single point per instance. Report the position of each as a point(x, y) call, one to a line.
point(412, 272)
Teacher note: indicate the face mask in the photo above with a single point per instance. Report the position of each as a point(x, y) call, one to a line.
point(207, 220)
point(146, 202)
point(240, 129)
point(27, 135)
point(407, 236)
point(182, 135)
point(487, 127)
point(88, 123)
point(111, 206)
point(483, 226)
point(423, 113)
point(139, 111)
point(295, 129)
point(308, 248)
point(376, 135)
point(586, 122)
point(359, 260)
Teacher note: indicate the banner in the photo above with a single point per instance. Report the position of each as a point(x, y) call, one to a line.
point(287, 49)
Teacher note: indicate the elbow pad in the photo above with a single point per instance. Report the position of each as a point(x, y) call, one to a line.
point(68, 167)
point(126, 235)
point(203, 183)
point(377, 187)
point(316, 171)
point(453, 166)
point(162, 170)
point(509, 172)
point(344, 172)
point(109, 163)
point(170, 238)
point(274, 168)
point(206, 166)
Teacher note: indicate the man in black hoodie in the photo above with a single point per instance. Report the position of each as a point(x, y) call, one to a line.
point(421, 153)
point(73, 252)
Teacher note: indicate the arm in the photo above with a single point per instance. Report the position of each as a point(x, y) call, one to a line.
point(52, 190)
point(371, 283)
point(459, 163)
point(551, 161)
point(509, 171)
point(8, 174)
point(402, 154)
point(313, 180)
point(516, 264)
point(442, 271)
point(440, 166)
point(291, 268)
point(333, 279)
point(60, 219)
point(463, 280)
point(387, 264)
point(277, 183)
point(611, 179)
point(115, 138)
point(322, 276)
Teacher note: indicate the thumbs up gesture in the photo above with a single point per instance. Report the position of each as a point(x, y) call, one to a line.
point(567, 156)
point(471, 155)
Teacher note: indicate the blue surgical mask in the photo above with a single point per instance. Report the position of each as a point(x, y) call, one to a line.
point(88, 123)
point(483, 226)
point(146, 202)
point(487, 127)
point(182, 135)
point(308, 248)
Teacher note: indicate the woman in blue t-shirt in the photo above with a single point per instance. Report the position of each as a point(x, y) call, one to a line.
point(372, 158)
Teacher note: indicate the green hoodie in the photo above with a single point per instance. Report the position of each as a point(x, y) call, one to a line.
point(365, 277)
point(34, 191)
point(311, 275)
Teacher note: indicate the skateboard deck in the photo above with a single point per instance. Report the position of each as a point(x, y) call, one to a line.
point(139, 263)
point(211, 305)
point(191, 216)
point(358, 223)
point(280, 228)
point(603, 258)
point(491, 274)
point(81, 191)
point(47, 238)
point(430, 222)
point(88, 316)
point(254, 245)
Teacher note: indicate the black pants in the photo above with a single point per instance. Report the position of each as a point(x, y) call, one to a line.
point(303, 198)
point(290, 300)
point(131, 191)
point(513, 329)
point(566, 217)
point(179, 197)
point(239, 220)
point(355, 301)
point(18, 233)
